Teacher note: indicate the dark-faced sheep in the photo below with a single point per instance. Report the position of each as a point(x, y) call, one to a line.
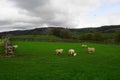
point(91, 50)
point(59, 51)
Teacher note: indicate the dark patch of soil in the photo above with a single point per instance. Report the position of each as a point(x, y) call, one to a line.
point(12, 56)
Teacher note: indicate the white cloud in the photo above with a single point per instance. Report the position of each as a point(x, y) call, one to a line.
point(78, 12)
point(21, 14)
point(9, 12)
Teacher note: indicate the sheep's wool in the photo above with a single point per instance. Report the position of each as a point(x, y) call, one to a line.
point(75, 54)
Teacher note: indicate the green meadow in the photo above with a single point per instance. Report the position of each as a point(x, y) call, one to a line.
point(38, 61)
point(37, 36)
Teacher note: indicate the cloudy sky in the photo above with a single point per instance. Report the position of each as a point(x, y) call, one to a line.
point(29, 14)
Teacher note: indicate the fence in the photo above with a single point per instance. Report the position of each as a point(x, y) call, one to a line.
point(61, 40)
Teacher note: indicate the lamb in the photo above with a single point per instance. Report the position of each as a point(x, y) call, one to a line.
point(74, 54)
point(15, 46)
point(71, 51)
point(59, 51)
point(84, 46)
point(91, 50)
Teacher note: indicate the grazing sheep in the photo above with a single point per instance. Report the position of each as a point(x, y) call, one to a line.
point(15, 46)
point(91, 50)
point(84, 46)
point(71, 51)
point(59, 51)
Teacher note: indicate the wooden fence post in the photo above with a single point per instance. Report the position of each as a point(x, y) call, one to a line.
point(8, 47)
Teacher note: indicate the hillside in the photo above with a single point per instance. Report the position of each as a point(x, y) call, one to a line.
point(104, 29)
point(42, 31)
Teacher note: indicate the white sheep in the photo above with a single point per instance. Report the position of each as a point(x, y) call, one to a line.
point(84, 46)
point(91, 50)
point(71, 51)
point(15, 46)
point(59, 51)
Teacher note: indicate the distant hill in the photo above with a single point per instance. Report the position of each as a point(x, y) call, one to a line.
point(42, 31)
point(103, 29)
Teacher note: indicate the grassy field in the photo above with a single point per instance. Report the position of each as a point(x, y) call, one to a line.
point(36, 36)
point(37, 61)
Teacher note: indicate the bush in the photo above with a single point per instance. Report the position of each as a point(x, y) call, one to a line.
point(60, 32)
point(54, 31)
point(87, 36)
point(117, 38)
point(98, 37)
point(49, 31)
point(65, 33)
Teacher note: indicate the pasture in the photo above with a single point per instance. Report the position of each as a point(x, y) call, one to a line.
point(37, 36)
point(37, 61)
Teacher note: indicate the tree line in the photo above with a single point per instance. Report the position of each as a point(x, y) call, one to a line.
point(98, 36)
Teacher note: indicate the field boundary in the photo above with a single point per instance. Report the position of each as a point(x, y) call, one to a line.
point(45, 40)
point(61, 40)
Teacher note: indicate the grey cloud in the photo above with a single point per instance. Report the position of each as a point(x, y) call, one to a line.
point(5, 22)
point(17, 26)
point(52, 13)
point(44, 10)
point(30, 4)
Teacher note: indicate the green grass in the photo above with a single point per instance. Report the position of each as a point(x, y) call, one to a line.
point(37, 61)
point(36, 36)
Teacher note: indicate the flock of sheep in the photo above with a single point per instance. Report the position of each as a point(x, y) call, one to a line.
point(72, 51)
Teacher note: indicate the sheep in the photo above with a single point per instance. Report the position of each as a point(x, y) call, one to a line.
point(15, 46)
point(59, 51)
point(71, 51)
point(91, 50)
point(84, 46)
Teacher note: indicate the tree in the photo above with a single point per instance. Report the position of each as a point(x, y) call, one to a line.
point(98, 37)
point(65, 33)
point(82, 37)
point(56, 32)
point(117, 38)
point(60, 32)
point(87, 36)
point(35, 32)
point(49, 31)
